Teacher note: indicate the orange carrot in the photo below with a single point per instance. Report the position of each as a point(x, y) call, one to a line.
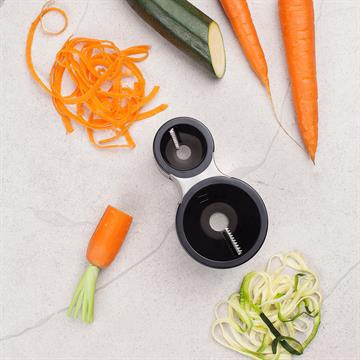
point(239, 15)
point(297, 23)
point(108, 237)
point(102, 250)
point(100, 100)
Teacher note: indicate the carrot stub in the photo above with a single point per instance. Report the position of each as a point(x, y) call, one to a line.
point(108, 237)
point(102, 250)
point(298, 29)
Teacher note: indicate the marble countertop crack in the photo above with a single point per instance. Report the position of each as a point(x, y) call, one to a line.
point(47, 318)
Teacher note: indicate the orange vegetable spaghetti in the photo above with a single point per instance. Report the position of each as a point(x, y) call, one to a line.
point(109, 88)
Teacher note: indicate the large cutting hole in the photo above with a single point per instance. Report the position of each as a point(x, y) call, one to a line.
point(243, 217)
point(184, 152)
point(218, 221)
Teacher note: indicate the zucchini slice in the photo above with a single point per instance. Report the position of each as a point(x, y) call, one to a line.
point(186, 27)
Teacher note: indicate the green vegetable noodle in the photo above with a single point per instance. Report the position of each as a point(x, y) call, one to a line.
point(275, 314)
point(186, 27)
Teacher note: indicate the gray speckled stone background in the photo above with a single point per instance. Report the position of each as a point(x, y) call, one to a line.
point(155, 302)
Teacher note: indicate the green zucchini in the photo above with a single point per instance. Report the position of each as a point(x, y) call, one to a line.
point(186, 27)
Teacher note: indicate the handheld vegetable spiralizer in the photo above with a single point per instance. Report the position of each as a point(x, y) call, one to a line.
point(221, 221)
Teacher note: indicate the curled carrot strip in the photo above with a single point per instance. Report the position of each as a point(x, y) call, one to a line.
point(49, 32)
point(108, 92)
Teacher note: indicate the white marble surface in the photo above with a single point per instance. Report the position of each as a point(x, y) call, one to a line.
point(156, 302)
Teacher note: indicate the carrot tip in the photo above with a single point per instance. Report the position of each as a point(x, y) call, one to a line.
point(267, 87)
point(312, 152)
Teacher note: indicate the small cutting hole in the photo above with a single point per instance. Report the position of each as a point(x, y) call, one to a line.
point(184, 152)
point(218, 221)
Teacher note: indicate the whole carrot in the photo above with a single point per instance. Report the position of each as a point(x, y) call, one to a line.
point(297, 23)
point(239, 16)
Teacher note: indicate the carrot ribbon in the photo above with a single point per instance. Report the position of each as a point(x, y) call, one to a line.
point(109, 89)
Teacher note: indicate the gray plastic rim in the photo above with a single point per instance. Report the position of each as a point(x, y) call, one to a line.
point(186, 121)
point(227, 263)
